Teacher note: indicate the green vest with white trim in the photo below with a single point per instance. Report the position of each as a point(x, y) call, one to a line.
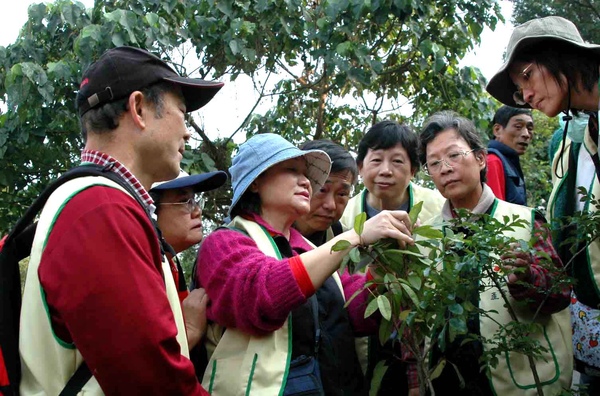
point(512, 375)
point(47, 362)
point(587, 268)
point(432, 204)
point(242, 364)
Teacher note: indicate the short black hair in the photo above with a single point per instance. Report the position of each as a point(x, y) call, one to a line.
point(444, 120)
point(387, 134)
point(560, 58)
point(105, 118)
point(505, 113)
point(341, 160)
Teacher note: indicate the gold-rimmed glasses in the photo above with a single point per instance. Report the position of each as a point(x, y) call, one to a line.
point(190, 205)
point(526, 76)
point(451, 159)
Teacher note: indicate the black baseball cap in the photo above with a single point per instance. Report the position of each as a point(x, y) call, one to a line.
point(201, 182)
point(122, 70)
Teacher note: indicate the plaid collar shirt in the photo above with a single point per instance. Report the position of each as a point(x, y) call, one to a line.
point(102, 159)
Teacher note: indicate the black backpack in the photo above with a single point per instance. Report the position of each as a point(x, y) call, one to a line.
point(17, 246)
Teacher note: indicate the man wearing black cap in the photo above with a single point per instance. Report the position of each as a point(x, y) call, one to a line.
point(97, 288)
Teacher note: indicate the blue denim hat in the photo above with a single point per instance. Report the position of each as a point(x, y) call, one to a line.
point(262, 151)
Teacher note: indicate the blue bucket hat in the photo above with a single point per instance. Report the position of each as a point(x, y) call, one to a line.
point(262, 151)
point(201, 182)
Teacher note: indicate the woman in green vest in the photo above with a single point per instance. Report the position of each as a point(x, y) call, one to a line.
point(387, 160)
point(550, 68)
point(280, 298)
point(454, 156)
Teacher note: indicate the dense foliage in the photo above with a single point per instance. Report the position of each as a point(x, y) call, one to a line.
point(332, 67)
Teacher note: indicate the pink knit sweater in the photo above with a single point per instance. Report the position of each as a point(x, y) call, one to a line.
point(255, 293)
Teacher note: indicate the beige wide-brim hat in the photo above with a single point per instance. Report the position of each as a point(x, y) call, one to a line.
point(526, 35)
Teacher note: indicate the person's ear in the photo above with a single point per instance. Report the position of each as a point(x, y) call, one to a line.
point(137, 109)
point(481, 159)
point(497, 130)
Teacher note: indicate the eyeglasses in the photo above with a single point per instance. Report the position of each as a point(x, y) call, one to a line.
point(518, 95)
point(190, 205)
point(453, 158)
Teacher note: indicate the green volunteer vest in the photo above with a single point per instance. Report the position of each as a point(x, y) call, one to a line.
point(48, 362)
point(512, 375)
point(590, 276)
point(242, 364)
point(432, 204)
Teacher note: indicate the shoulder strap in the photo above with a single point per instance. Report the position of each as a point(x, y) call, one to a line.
point(77, 381)
point(315, 310)
point(17, 246)
point(509, 169)
point(20, 240)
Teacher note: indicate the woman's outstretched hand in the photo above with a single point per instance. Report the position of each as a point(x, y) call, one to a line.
point(394, 224)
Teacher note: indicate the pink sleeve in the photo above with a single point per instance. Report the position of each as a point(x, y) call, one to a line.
point(104, 287)
point(495, 176)
point(356, 310)
point(247, 289)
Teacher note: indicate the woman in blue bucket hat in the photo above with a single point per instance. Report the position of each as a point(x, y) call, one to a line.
point(278, 300)
point(551, 69)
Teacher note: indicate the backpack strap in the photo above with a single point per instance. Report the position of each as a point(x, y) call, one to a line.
point(77, 381)
point(18, 245)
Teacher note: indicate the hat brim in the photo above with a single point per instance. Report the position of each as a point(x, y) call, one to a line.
point(196, 92)
point(501, 85)
point(201, 182)
point(318, 168)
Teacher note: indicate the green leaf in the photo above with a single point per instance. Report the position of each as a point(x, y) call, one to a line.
point(439, 64)
point(322, 23)
point(428, 231)
point(356, 294)
point(340, 245)
point(113, 16)
point(371, 308)
point(437, 371)
point(458, 325)
point(385, 331)
point(426, 47)
point(59, 70)
point(414, 212)
point(414, 281)
point(355, 255)
point(411, 294)
point(359, 223)
point(378, 374)
point(384, 307)
point(234, 46)
point(92, 31)
point(397, 254)
point(344, 49)
point(404, 314)
point(117, 39)
point(226, 7)
point(152, 19)
point(456, 309)
point(208, 162)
